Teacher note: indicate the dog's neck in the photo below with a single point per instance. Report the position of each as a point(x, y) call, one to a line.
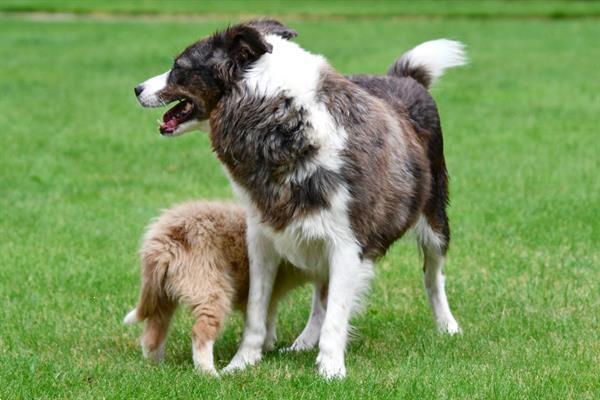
point(288, 68)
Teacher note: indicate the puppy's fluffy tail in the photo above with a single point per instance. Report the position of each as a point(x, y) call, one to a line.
point(428, 61)
point(152, 295)
point(131, 318)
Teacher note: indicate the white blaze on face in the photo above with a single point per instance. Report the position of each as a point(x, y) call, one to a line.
point(149, 95)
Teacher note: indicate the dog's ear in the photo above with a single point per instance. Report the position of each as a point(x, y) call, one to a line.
point(245, 44)
point(273, 27)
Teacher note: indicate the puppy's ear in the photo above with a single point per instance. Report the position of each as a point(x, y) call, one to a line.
point(245, 44)
point(273, 27)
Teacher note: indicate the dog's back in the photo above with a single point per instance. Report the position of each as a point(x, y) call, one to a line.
point(405, 90)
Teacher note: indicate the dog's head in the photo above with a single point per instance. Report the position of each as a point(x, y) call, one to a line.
point(205, 71)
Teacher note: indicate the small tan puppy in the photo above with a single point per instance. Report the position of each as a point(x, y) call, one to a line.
point(195, 254)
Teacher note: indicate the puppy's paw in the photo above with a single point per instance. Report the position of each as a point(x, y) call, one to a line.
point(211, 371)
point(330, 367)
point(156, 355)
point(203, 358)
point(243, 358)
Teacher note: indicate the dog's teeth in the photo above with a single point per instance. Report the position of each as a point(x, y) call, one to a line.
point(188, 107)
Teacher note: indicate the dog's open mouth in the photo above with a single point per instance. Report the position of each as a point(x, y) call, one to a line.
point(182, 112)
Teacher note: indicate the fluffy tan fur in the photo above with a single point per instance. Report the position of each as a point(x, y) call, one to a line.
point(195, 254)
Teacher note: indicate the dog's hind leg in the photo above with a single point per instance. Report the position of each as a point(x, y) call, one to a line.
point(434, 242)
point(271, 338)
point(312, 331)
point(156, 329)
point(288, 278)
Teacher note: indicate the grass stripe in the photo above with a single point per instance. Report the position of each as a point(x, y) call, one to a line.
point(313, 9)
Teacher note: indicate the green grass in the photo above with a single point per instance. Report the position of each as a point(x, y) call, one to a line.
point(320, 9)
point(82, 170)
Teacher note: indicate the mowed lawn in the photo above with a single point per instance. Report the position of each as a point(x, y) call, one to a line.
point(83, 170)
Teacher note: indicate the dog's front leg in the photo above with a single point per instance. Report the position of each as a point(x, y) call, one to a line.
point(263, 270)
point(349, 278)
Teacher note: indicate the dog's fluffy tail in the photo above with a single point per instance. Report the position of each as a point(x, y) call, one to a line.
point(131, 318)
point(428, 61)
point(152, 295)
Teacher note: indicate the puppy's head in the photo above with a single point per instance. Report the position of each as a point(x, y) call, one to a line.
point(205, 71)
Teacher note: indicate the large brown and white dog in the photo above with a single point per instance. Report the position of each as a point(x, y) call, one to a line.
point(332, 169)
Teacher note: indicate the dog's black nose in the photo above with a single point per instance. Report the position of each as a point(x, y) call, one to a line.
point(138, 89)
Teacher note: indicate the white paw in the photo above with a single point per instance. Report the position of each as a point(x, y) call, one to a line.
point(449, 327)
point(331, 367)
point(242, 359)
point(203, 358)
point(298, 346)
point(210, 371)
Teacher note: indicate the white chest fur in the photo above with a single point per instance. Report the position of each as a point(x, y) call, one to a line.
point(307, 241)
point(310, 255)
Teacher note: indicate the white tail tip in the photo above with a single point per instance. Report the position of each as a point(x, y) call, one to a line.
point(436, 56)
point(131, 318)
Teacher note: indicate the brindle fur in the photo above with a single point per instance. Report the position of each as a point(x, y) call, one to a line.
point(265, 145)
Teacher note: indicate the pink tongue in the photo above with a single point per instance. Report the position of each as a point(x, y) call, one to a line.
point(171, 124)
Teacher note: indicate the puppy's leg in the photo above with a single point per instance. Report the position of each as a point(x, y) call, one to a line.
point(206, 329)
point(263, 270)
point(155, 331)
point(310, 335)
point(434, 244)
point(349, 279)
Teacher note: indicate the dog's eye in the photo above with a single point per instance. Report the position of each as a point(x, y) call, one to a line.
point(176, 76)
